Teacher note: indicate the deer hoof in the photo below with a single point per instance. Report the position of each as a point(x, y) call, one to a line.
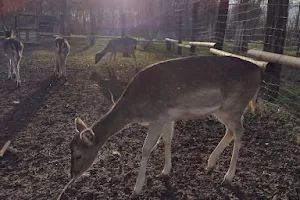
point(134, 196)
point(225, 182)
point(162, 175)
point(209, 170)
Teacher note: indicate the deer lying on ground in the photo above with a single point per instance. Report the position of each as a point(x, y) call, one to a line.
point(125, 45)
point(61, 50)
point(184, 88)
point(13, 50)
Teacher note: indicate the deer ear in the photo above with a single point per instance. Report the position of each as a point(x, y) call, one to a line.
point(87, 137)
point(79, 125)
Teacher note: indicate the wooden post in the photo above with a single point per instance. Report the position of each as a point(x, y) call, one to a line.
point(221, 24)
point(194, 26)
point(277, 16)
point(180, 13)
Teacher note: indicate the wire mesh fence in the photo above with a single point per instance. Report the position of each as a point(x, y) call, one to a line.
point(271, 26)
point(233, 25)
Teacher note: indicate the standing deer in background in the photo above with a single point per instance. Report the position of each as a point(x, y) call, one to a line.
point(61, 50)
point(125, 45)
point(13, 50)
point(184, 88)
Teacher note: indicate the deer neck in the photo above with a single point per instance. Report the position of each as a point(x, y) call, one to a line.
point(114, 121)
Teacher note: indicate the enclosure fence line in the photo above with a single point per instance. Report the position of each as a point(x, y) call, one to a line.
point(249, 30)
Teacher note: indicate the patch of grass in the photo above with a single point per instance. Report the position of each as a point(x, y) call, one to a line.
point(83, 54)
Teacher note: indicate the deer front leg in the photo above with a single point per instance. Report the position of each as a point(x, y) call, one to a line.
point(114, 54)
point(111, 56)
point(167, 138)
point(61, 63)
point(9, 68)
point(154, 133)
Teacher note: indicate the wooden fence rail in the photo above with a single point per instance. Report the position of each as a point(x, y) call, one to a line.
point(274, 58)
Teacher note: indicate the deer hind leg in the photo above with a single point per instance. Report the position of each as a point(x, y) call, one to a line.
point(234, 131)
point(14, 67)
point(56, 67)
point(154, 133)
point(228, 137)
point(18, 75)
point(16, 71)
point(115, 55)
point(64, 66)
point(167, 138)
point(60, 68)
point(237, 128)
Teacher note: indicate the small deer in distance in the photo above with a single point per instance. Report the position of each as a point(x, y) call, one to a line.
point(125, 45)
point(13, 50)
point(61, 50)
point(182, 88)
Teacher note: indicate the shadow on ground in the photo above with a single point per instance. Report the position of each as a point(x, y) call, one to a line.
point(21, 115)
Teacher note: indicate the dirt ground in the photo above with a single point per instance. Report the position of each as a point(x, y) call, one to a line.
point(42, 124)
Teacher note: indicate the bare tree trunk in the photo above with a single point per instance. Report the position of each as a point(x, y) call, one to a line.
point(64, 17)
point(221, 24)
point(179, 26)
point(296, 31)
point(1, 10)
point(277, 16)
point(93, 25)
point(241, 33)
point(84, 22)
point(195, 22)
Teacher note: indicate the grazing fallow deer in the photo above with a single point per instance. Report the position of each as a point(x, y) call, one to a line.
point(184, 88)
point(61, 50)
point(123, 45)
point(13, 50)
